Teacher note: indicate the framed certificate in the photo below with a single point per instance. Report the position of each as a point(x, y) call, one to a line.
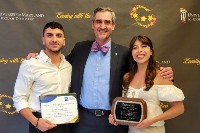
point(129, 111)
point(60, 109)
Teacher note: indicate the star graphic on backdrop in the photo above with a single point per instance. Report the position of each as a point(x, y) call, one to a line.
point(150, 17)
point(8, 106)
point(143, 18)
point(135, 15)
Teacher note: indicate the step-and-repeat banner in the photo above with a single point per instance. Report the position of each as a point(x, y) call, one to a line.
point(173, 26)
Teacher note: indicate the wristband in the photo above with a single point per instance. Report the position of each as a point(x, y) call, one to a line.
point(37, 122)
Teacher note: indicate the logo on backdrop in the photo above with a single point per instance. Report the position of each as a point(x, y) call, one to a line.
point(6, 104)
point(164, 105)
point(16, 16)
point(190, 61)
point(70, 16)
point(11, 60)
point(142, 16)
point(188, 16)
point(187, 61)
point(163, 63)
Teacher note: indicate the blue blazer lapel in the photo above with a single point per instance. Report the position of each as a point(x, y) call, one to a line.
point(113, 62)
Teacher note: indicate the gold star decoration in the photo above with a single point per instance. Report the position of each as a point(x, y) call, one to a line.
point(135, 15)
point(150, 18)
point(143, 18)
point(8, 106)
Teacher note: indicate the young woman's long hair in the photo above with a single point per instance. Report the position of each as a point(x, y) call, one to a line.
point(133, 68)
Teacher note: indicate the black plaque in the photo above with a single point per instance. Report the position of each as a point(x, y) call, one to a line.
point(129, 111)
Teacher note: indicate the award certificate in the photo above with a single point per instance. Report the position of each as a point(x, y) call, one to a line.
point(60, 109)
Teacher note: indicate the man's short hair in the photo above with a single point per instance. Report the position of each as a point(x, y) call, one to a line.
point(53, 25)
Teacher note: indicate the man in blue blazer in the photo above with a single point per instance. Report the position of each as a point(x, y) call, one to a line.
point(98, 67)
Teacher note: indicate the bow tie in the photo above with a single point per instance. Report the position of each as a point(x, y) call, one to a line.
point(95, 48)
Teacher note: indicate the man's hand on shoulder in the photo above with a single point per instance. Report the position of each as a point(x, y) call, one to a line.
point(166, 73)
point(31, 55)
